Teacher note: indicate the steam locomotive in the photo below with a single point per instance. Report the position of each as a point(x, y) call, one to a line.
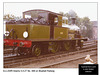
point(42, 32)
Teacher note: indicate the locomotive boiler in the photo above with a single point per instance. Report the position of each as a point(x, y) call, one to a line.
point(41, 31)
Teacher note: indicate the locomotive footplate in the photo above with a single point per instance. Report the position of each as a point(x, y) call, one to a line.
point(17, 43)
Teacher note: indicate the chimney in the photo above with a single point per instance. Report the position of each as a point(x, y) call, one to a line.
point(73, 20)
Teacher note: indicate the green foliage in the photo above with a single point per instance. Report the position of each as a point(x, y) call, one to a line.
point(86, 26)
point(10, 17)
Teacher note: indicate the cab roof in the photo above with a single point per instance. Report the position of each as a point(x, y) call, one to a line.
point(43, 11)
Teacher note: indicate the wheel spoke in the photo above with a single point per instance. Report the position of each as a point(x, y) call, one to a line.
point(53, 47)
point(23, 51)
point(36, 50)
point(67, 46)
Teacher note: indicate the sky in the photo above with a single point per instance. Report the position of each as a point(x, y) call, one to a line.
point(82, 9)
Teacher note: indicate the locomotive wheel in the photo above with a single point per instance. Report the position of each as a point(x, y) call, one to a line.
point(36, 50)
point(73, 45)
point(67, 46)
point(80, 43)
point(23, 51)
point(53, 47)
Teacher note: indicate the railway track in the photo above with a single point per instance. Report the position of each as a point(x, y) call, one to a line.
point(25, 61)
point(65, 64)
point(57, 59)
point(19, 61)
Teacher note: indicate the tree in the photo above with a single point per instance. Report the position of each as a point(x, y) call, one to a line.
point(71, 14)
point(88, 24)
point(85, 24)
point(10, 17)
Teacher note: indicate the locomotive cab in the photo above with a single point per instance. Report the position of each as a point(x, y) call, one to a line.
point(48, 17)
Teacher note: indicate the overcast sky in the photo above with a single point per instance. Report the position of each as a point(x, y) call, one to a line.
point(82, 9)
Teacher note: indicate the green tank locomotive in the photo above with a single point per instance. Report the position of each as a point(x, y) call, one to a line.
point(41, 31)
